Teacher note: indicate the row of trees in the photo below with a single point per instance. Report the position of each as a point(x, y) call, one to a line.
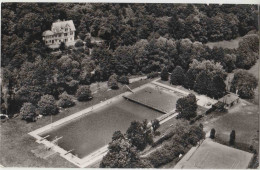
point(185, 136)
point(124, 149)
point(48, 106)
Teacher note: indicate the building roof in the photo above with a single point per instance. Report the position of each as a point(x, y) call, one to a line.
point(59, 26)
point(212, 155)
point(47, 33)
point(229, 98)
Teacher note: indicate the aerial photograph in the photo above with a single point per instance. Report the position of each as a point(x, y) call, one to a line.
point(129, 85)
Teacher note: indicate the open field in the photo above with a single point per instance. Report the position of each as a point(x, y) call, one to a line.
point(231, 44)
point(16, 144)
point(243, 118)
point(214, 155)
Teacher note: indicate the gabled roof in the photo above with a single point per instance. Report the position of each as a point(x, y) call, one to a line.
point(47, 33)
point(59, 25)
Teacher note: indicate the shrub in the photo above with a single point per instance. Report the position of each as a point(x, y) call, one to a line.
point(164, 74)
point(79, 43)
point(123, 80)
point(155, 124)
point(152, 75)
point(83, 93)
point(47, 106)
point(232, 137)
point(72, 86)
point(112, 82)
point(198, 117)
point(28, 112)
point(65, 100)
point(212, 133)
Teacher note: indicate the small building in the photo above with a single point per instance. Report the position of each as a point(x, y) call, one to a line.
point(61, 31)
point(229, 100)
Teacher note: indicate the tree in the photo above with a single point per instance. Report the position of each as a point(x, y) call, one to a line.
point(112, 82)
point(232, 137)
point(202, 82)
point(164, 74)
point(212, 133)
point(83, 93)
point(244, 83)
point(28, 112)
point(62, 46)
point(155, 124)
point(123, 80)
point(121, 154)
point(65, 100)
point(187, 106)
point(79, 43)
point(47, 106)
point(217, 87)
point(190, 79)
point(117, 135)
point(72, 86)
point(177, 76)
point(139, 134)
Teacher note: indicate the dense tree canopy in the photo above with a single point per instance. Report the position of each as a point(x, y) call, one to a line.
point(138, 39)
point(187, 106)
point(244, 84)
point(122, 154)
point(139, 134)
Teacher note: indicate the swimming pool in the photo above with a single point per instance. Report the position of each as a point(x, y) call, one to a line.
point(88, 133)
point(84, 136)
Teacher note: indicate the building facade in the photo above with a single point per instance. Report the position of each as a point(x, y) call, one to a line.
point(61, 31)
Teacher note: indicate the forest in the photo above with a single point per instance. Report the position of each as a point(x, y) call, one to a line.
point(138, 39)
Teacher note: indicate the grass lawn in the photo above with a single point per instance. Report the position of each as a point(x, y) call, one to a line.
point(243, 118)
point(16, 144)
point(212, 155)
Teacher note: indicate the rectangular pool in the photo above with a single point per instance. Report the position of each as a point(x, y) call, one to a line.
point(90, 132)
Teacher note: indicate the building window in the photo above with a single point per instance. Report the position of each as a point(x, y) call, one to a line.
point(71, 33)
point(46, 42)
point(66, 29)
point(65, 34)
point(66, 40)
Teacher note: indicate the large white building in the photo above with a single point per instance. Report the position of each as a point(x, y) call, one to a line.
point(61, 31)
